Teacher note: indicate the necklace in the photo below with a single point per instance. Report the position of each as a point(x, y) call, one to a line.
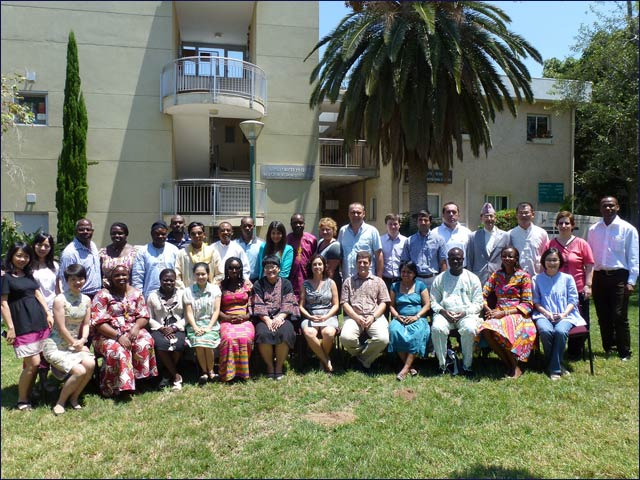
point(405, 289)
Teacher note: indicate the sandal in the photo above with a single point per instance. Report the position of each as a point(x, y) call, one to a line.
point(76, 406)
point(413, 372)
point(24, 406)
point(401, 376)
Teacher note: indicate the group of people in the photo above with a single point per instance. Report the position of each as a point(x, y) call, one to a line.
point(140, 307)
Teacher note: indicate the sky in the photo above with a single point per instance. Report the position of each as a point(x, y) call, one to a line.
point(550, 26)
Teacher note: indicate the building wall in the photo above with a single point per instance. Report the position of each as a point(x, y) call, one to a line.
point(122, 48)
point(513, 167)
point(282, 36)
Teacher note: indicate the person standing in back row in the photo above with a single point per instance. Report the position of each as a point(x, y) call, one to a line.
point(615, 250)
point(530, 240)
point(358, 236)
point(454, 234)
point(392, 245)
point(304, 246)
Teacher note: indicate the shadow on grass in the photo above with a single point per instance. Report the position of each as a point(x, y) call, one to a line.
point(492, 471)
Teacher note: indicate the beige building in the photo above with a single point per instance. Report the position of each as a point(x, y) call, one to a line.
point(166, 85)
point(531, 160)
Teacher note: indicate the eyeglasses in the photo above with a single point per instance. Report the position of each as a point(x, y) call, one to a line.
point(270, 267)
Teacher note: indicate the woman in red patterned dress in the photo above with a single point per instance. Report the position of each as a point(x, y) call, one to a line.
point(118, 317)
point(508, 328)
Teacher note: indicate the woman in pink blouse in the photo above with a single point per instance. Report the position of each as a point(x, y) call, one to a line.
point(578, 262)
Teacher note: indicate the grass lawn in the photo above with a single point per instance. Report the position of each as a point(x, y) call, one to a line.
point(347, 425)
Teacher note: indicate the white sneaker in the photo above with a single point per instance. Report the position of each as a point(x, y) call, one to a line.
point(177, 385)
point(554, 377)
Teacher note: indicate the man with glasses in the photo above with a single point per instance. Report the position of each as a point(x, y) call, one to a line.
point(84, 252)
point(530, 240)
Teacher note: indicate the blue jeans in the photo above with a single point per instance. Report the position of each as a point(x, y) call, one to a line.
point(554, 340)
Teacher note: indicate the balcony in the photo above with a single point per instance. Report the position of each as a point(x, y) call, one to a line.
point(340, 166)
point(229, 87)
point(220, 198)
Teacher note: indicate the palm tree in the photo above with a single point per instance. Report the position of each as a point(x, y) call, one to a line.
point(420, 75)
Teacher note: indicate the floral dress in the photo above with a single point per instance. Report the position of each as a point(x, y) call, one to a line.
point(202, 302)
point(121, 366)
point(57, 352)
point(515, 332)
point(236, 339)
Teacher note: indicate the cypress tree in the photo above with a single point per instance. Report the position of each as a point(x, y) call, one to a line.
point(71, 194)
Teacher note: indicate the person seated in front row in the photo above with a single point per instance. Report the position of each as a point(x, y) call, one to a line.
point(409, 330)
point(456, 300)
point(201, 310)
point(555, 299)
point(364, 300)
point(319, 305)
point(274, 306)
point(65, 349)
point(166, 324)
point(119, 316)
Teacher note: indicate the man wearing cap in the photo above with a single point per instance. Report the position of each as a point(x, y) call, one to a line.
point(425, 249)
point(452, 231)
point(154, 257)
point(485, 245)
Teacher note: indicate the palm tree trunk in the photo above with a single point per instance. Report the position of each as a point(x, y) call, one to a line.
point(417, 190)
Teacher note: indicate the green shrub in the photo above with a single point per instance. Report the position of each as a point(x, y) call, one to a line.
point(10, 233)
point(506, 219)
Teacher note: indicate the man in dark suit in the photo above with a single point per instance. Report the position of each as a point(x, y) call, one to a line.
point(485, 245)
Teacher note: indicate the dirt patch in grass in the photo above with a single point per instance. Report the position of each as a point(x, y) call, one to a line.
point(331, 419)
point(406, 394)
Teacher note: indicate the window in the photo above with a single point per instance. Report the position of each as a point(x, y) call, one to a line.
point(538, 126)
point(373, 211)
point(32, 222)
point(37, 103)
point(499, 202)
point(433, 204)
point(213, 61)
point(230, 134)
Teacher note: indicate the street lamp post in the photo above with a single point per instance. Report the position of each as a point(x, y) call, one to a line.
point(251, 130)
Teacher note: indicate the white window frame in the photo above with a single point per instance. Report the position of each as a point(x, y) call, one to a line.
point(491, 198)
point(535, 135)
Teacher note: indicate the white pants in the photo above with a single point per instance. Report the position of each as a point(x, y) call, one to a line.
point(466, 326)
point(367, 352)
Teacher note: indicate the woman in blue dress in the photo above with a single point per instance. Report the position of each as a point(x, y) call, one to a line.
point(408, 331)
point(555, 299)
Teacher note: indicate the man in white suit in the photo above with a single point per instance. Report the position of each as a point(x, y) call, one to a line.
point(485, 245)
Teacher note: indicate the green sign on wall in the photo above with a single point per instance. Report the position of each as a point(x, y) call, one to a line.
point(550, 192)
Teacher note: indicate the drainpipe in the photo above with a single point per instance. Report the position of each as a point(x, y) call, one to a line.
point(573, 160)
point(466, 201)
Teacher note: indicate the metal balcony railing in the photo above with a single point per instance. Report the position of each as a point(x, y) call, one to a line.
point(216, 75)
point(208, 196)
point(333, 154)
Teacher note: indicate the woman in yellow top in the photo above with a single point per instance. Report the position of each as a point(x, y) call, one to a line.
point(198, 251)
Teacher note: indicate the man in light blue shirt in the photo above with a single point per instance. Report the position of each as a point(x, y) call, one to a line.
point(250, 243)
point(392, 245)
point(152, 259)
point(425, 249)
point(357, 236)
point(84, 252)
